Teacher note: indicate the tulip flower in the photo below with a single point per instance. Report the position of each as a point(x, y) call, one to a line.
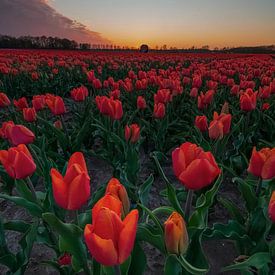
point(65, 259)
point(194, 168)
point(220, 125)
point(29, 114)
point(248, 100)
point(159, 110)
point(109, 107)
point(38, 102)
point(58, 124)
point(21, 103)
point(72, 191)
point(116, 189)
point(79, 94)
point(262, 163)
point(5, 129)
point(265, 106)
point(132, 133)
point(18, 162)
point(141, 103)
point(4, 100)
point(201, 123)
point(176, 235)
point(17, 134)
point(56, 105)
point(109, 239)
point(271, 207)
point(205, 99)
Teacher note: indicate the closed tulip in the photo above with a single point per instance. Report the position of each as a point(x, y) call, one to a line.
point(115, 188)
point(159, 110)
point(21, 103)
point(73, 190)
point(5, 129)
point(109, 239)
point(262, 163)
point(193, 167)
point(220, 125)
point(271, 207)
point(132, 133)
point(175, 234)
point(4, 100)
point(141, 103)
point(29, 114)
point(38, 102)
point(110, 107)
point(79, 94)
point(248, 100)
point(19, 134)
point(56, 105)
point(18, 162)
point(201, 123)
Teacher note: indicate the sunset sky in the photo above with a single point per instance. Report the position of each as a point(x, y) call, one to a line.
point(180, 23)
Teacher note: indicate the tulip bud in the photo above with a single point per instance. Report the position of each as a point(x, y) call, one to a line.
point(65, 259)
point(132, 133)
point(29, 114)
point(141, 103)
point(201, 123)
point(116, 189)
point(4, 100)
point(176, 235)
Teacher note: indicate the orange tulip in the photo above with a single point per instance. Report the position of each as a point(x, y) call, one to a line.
point(271, 207)
point(116, 189)
point(72, 191)
point(193, 167)
point(262, 163)
point(18, 162)
point(176, 235)
point(109, 239)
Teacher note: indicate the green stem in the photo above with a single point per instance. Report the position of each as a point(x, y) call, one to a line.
point(30, 185)
point(117, 270)
point(259, 187)
point(188, 204)
point(75, 213)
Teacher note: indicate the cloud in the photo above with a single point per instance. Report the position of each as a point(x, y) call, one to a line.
point(37, 18)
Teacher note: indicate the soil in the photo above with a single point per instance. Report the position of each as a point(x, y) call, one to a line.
point(219, 253)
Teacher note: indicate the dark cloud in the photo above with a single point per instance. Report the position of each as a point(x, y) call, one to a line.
point(36, 17)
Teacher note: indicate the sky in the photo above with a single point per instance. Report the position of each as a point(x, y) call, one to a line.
point(179, 23)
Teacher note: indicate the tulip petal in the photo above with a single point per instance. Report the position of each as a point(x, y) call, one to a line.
point(268, 171)
point(78, 158)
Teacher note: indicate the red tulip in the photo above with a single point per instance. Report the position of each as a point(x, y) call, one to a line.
point(79, 94)
point(56, 105)
point(262, 163)
point(132, 133)
point(19, 134)
point(109, 239)
point(18, 162)
point(21, 103)
point(38, 102)
point(176, 235)
point(4, 100)
point(58, 124)
point(201, 123)
point(29, 114)
point(159, 110)
point(109, 107)
point(193, 167)
point(141, 103)
point(65, 259)
point(205, 99)
point(220, 125)
point(72, 191)
point(4, 131)
point(271, 207)
point(162, 96)
point(265, 106)
point(248, 100)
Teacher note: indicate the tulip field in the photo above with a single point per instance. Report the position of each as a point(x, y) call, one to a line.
point(117, 162)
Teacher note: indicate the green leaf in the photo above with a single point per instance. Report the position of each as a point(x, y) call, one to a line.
point(139, 261)
point(199, 217)
point(33, 208)
point(189, 268)
point(172, 266)
point(23, 190)
point(144, 190)
point(247, 193)
point(258, 260)
point(70, 238)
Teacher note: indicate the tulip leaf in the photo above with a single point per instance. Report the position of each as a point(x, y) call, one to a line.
point(139, 261)
point(199, 217)
point(23, 190)
point(33, 208)
point(144, 190)
point(70, 238)
point(16, 225)
point(172, 266)
point(258, 260)
point(247, 193)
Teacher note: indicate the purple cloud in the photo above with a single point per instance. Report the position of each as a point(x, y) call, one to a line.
point(37, 18)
